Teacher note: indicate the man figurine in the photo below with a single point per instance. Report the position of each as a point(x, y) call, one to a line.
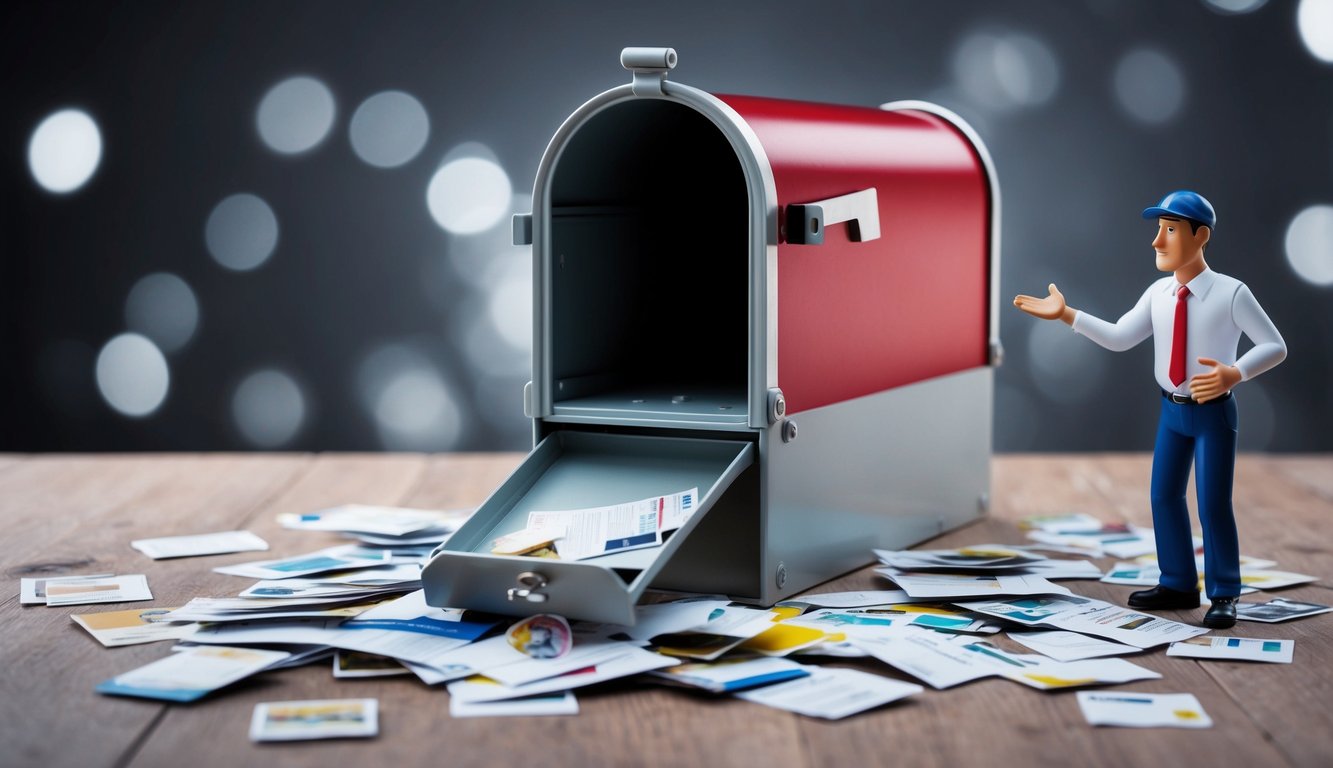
point(1195, 317)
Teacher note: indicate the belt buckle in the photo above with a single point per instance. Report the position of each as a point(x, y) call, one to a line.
point(1180, 399)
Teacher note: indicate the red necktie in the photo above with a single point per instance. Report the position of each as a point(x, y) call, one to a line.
point(1177, 372)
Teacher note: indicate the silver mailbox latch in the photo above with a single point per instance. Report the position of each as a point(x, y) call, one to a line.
point(529, 588)
point(806, 222)
point(650, 67)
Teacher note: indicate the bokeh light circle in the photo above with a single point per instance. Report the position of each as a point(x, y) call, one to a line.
point(1004, 71)
point(469, 195)
point(389, 129)
point(65, 150)
point(295, 115)
point(132, 375)
point(162, 307)
point(1309, 244)
point(241, 232)
point(268, 408)
point(1149, 86)
point(1314, 19)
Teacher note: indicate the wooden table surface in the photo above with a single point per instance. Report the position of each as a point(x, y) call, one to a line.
point(77, 514)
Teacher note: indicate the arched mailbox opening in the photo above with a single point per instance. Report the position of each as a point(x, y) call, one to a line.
point(648, 269)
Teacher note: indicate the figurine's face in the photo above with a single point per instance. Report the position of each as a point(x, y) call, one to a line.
point(1176, 245)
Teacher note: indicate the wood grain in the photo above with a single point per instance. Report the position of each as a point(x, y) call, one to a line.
point(66, 514)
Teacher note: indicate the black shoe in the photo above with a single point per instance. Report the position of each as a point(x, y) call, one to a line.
point(1222, 614)
point(1161, 598)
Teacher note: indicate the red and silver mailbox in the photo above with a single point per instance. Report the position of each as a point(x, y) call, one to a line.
point(790, 306)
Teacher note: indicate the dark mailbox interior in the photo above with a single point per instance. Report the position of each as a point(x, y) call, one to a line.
point(650, 268)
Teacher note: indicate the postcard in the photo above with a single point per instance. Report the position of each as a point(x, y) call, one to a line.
point(1143, 710)
point(357, 664)
point(831, 693)
point(191, 673)
point(1069, 646)
point(782, 639)
point(1262, 579)
point(733, 674)
point(674, 616)
point(1234, 648)
point(200, 544)
point(1047, 674)
point(410, 613)
point(1070, 521)
point(541, 705)
point(632, 661)
point(33, 591)
point(953, 585)
point(384, 521)
point(725, 629)
point(420, 648)
point(1278, 609)
point(850, 599)
point(112, 589)
point(525, 542)
point(1133, 574)
point(316, 719)
point(342, 558)
point(936, 660)
point(1089, 617)
point(985, 557)
point(132, 627)
point(1064, 569)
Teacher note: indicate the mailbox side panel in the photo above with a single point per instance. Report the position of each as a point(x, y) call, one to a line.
point(855, 318)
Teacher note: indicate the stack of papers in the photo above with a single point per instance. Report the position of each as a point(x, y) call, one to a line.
point(581, 534)
point(1089, 617)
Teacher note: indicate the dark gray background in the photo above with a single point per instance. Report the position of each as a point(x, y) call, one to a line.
point(393, 331)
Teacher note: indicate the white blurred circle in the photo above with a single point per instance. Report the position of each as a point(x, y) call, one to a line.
point(132, 375)
point(389, 129)
point(1309, 244)
point(268, 408)
point(469, 195)
point(162, 307)
point(413, 408)
point(241, 232)
point(1066, 367)
point(1235, 6)
point(510, 306)
point(1006, 71)
point(1314, 18)
point(1149, 86)
point(65, 150)
point(295, 115)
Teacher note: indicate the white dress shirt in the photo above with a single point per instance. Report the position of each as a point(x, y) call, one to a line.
point(1220, 308)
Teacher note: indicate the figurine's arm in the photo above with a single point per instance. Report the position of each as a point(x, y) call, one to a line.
point(1269, 350)
point(1132, 327)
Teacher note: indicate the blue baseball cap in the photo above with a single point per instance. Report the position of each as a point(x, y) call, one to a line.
point(1184, 204)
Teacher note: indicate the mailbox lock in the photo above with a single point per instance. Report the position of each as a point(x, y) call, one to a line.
point(529, 584)
point(782, 575)
point(788, 431)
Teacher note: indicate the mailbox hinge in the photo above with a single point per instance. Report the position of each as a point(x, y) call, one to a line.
point(650, 67)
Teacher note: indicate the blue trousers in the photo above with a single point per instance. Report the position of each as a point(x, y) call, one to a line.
point(1205, 434)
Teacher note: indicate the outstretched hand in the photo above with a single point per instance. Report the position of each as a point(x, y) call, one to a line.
point(1051, 307)
point(1214, 383)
